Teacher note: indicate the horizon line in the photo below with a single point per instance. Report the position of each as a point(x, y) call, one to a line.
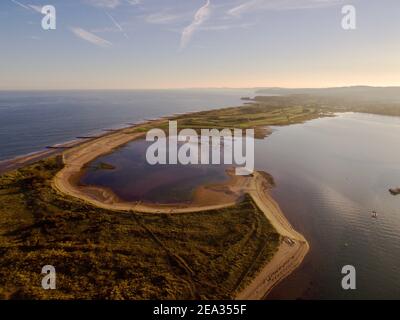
point(202, 88)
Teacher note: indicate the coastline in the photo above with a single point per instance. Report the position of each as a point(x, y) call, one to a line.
point(291, 251)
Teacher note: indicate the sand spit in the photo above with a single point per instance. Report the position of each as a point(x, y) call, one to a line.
point(291, 251)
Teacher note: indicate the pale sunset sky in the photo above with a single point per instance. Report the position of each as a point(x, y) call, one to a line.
point(152, 44)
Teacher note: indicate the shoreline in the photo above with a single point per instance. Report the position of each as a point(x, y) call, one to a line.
point(290, 253)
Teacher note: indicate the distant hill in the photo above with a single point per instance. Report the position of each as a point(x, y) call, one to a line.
point(359, 93)
point(377, 100)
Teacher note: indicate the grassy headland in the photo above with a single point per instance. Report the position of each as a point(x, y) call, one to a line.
point(257, 114)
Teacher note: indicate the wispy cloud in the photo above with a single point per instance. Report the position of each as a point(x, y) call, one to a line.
point(116, 24)
point(20, 4)
point(27, 7)
point(134, 2)
point(253, 5)
point(35, 8)
point(161, 18)
point(199, 18)
point(90, 37)
point(226, 27)
point(111, 4)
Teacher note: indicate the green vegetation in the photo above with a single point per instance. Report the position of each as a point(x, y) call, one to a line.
point(102, 254)
point(251, 116)
point(104, 166)
point(382, 101)
point(256, 115)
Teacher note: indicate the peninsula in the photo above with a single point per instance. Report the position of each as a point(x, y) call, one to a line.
point(236, 245)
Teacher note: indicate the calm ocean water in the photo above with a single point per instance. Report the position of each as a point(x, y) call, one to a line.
point(30, 121)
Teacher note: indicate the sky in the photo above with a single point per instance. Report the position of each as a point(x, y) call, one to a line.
point(163, 44)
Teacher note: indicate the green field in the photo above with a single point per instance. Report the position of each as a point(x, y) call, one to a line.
point(276, 111)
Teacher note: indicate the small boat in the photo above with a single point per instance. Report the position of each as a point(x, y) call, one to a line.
point(374, 214)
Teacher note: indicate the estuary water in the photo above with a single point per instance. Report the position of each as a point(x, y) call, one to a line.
point(331, 175)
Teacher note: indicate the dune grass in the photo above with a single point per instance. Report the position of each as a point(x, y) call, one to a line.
point(101, 254)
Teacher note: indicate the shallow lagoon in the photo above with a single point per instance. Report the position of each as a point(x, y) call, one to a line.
point(133, 179)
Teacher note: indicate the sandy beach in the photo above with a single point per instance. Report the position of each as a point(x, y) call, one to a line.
point(283, 263)
point(293, 247)
point(292, 250)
